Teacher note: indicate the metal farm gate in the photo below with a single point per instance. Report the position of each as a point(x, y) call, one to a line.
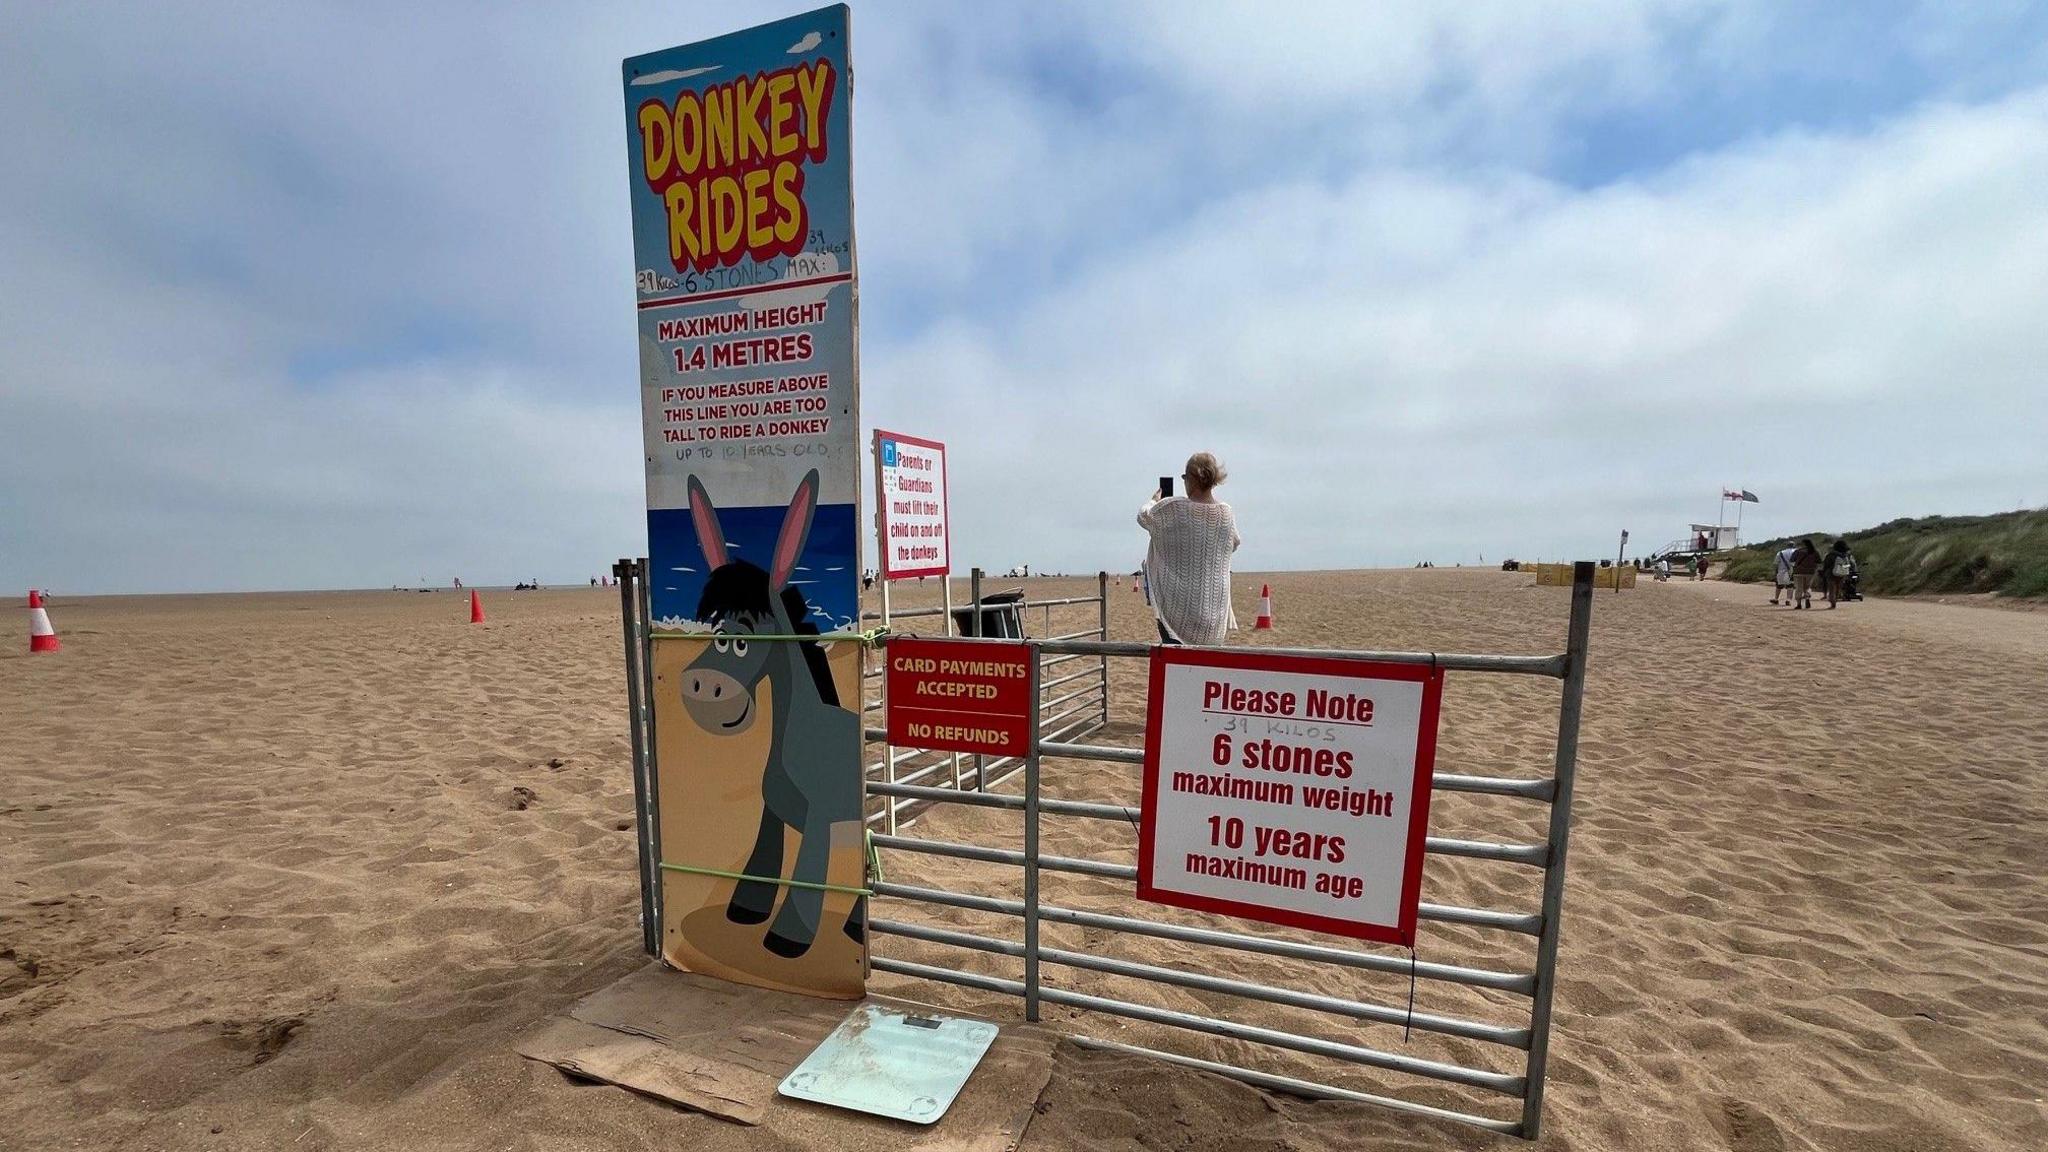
point(1480, 1059)
point(1079, 707)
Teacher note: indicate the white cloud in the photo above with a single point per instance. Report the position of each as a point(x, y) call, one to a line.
point(1252, 53)
point(373, 325)
point(1848, 325)
point(669, 74)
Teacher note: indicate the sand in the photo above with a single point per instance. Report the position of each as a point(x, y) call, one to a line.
point(295, 871)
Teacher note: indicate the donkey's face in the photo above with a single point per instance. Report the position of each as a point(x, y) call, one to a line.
point(741, 601)
point(718, 686)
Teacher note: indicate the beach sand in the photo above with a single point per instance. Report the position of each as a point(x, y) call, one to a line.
point(297, 870)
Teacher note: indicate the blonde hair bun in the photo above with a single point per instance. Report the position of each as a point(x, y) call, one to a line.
point(1205, 471)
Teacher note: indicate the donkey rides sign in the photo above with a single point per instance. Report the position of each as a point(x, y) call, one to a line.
point(743, 244)
point(1289, 789)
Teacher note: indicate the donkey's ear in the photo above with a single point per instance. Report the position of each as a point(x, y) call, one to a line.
point(796, 528)
point(710, 536)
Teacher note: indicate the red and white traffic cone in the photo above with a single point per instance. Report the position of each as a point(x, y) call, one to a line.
point(41, 637)
point(1265, 619)
point(476, 607)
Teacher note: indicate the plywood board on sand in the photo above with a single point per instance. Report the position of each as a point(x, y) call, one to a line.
point(722, 1048)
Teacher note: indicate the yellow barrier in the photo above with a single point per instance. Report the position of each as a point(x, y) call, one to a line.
point(1560, 575)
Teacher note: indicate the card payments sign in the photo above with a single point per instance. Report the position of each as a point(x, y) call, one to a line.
point(960, 696)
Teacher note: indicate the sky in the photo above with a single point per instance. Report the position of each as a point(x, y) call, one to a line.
point(308, 295)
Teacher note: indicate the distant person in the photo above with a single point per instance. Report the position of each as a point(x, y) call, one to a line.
point(1806, 564)
point(1781, 573)
point(1699, 566)
point(1187, 568)
point(1663, 568)
point(1841, 569)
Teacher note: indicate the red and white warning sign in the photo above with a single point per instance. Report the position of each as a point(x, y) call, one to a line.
point(959, 695)
point(910, 506)
point(1290, 790)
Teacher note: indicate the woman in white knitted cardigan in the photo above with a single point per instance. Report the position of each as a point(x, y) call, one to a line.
point(1188, 565)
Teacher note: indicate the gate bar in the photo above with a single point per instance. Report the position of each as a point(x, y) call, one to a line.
point(1466, 848)
point(1059, 680)
point(644, 591)
point(1102, 624)
point(903, 613)
point(1032, 992)
point(1084, 690)
point(1552, 666)
point(1568, 712)
point(1441, 782)
point(951, 850)
point(1528, 924)
point(974, 599)
point(627, 573)
point(1265, 945)
point(1060, 602)
point(1115, 812)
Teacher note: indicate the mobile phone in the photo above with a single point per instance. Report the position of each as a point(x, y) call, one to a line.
point(1165, 486)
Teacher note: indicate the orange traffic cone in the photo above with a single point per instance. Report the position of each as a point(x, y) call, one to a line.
point(1265, 619)
point(476, 607)
point(41, 637)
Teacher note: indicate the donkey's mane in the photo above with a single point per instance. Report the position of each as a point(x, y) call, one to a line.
point(738, 589)
point(814, 656)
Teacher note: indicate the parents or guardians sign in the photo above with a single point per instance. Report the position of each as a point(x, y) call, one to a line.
point(910, 499)
point(1290, 790)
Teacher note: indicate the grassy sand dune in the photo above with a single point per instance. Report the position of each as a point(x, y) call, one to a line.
point(2006, 554)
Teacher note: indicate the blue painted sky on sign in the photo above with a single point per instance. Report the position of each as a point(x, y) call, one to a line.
point(1493, 278)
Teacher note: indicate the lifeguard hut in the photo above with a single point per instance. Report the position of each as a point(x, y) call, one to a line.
point(1702, 538)
point(1716, 537)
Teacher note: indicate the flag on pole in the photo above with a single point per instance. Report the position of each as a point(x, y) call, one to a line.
point(1730, 494)
point(1748, 496)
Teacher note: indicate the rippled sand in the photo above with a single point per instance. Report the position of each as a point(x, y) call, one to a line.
point(299, 868)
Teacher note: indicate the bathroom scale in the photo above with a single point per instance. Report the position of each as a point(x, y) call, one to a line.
point(894, 1062)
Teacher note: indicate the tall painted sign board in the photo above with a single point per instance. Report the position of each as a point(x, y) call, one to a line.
point(742, 206)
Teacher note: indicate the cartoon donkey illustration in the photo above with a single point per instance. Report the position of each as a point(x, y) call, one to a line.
point(811, 778)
